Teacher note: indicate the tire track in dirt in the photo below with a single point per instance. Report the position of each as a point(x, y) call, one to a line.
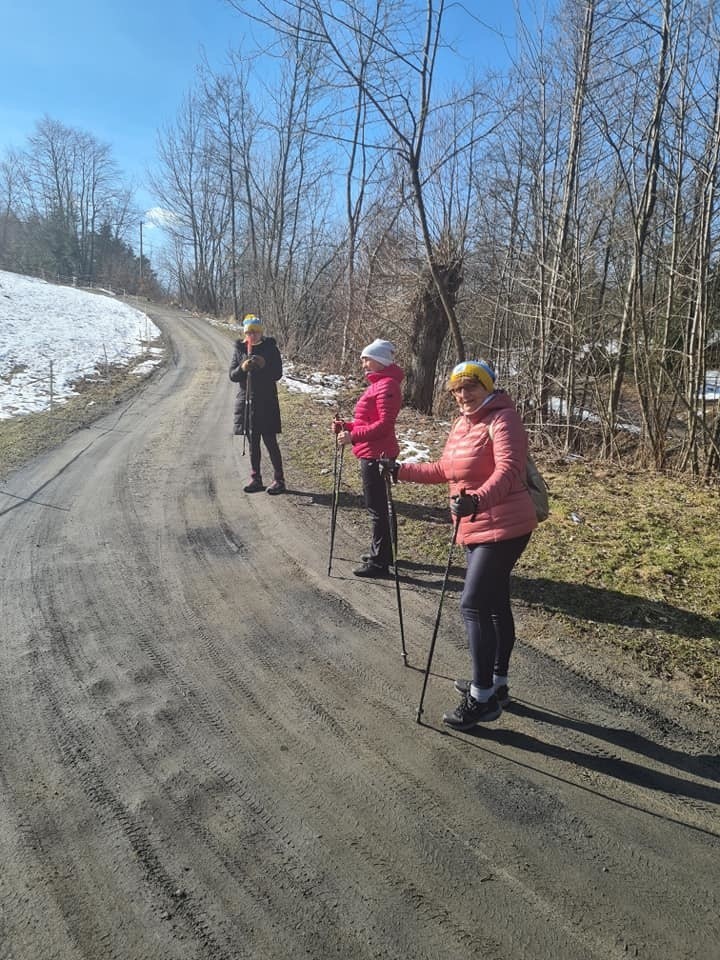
point(66, 724)
point(606, 840)
point(74, 741)
point(204, 717)
point(318, 710)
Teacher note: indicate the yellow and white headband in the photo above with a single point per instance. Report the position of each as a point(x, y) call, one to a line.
point(473, 370)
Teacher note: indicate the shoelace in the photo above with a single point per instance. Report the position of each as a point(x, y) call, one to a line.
point(465, 706)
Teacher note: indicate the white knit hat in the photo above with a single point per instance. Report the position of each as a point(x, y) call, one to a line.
point(381, 350)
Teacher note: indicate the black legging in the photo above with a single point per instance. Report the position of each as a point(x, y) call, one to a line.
point(376, 502)
point(485, 606)
point(273, 449)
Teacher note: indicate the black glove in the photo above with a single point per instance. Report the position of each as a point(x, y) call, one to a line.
point(464, 505)
point(389, 468)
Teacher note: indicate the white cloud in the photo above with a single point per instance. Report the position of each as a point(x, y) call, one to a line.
point(158, 217)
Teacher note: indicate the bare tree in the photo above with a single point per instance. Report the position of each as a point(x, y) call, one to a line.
point(11, 199)
point(701, 447)
point(556, 321)
point(566, 228)
point(70, 188)
point(642, 184)
point(283, 172)
point(191, 185)
point(221, 103)
point(387, 52)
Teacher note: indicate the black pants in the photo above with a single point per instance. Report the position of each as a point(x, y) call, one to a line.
point(375, 493)
point(485, 606)
point(271, 445)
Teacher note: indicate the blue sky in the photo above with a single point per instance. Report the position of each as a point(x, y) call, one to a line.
point(118, 69)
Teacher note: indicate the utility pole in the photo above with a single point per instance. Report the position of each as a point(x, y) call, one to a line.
point(141, 256)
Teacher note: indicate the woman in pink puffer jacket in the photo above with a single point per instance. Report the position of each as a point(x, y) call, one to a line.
point(484, 462)
point(372, 435)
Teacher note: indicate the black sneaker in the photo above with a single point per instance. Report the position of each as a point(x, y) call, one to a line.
point(470, 711)
point(502, 693)
point(255, 486)
point(278, 486)
point(371, 569)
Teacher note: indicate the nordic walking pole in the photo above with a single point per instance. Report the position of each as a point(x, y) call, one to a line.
point(246, 413)
point(437, 619)
point(246, 405)
point(392, 520)
point(337, 476)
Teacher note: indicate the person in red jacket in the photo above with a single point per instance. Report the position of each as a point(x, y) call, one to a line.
point(372, 435)
point(484, 463)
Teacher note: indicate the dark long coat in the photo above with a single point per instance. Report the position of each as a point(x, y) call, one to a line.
point(264, 405)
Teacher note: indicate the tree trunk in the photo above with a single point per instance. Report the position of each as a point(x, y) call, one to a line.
point(429, 326)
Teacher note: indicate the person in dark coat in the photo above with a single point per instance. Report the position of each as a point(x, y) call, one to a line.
point(256, 367)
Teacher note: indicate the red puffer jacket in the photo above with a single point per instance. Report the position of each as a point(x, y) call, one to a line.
point(373, 423)
point(492, 469)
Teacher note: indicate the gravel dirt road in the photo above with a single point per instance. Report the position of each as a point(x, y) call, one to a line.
point(208, 747)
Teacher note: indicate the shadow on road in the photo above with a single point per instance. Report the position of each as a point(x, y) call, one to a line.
point(625, 770)
point(612, 606)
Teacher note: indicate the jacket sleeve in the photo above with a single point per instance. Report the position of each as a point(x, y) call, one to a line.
point(388, 401)
point(273, 361)
point(236, 373)
point(422, 472)
point(509, 442)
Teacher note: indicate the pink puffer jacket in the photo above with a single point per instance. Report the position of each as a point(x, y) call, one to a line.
point(373, 424)
point(494, 469)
